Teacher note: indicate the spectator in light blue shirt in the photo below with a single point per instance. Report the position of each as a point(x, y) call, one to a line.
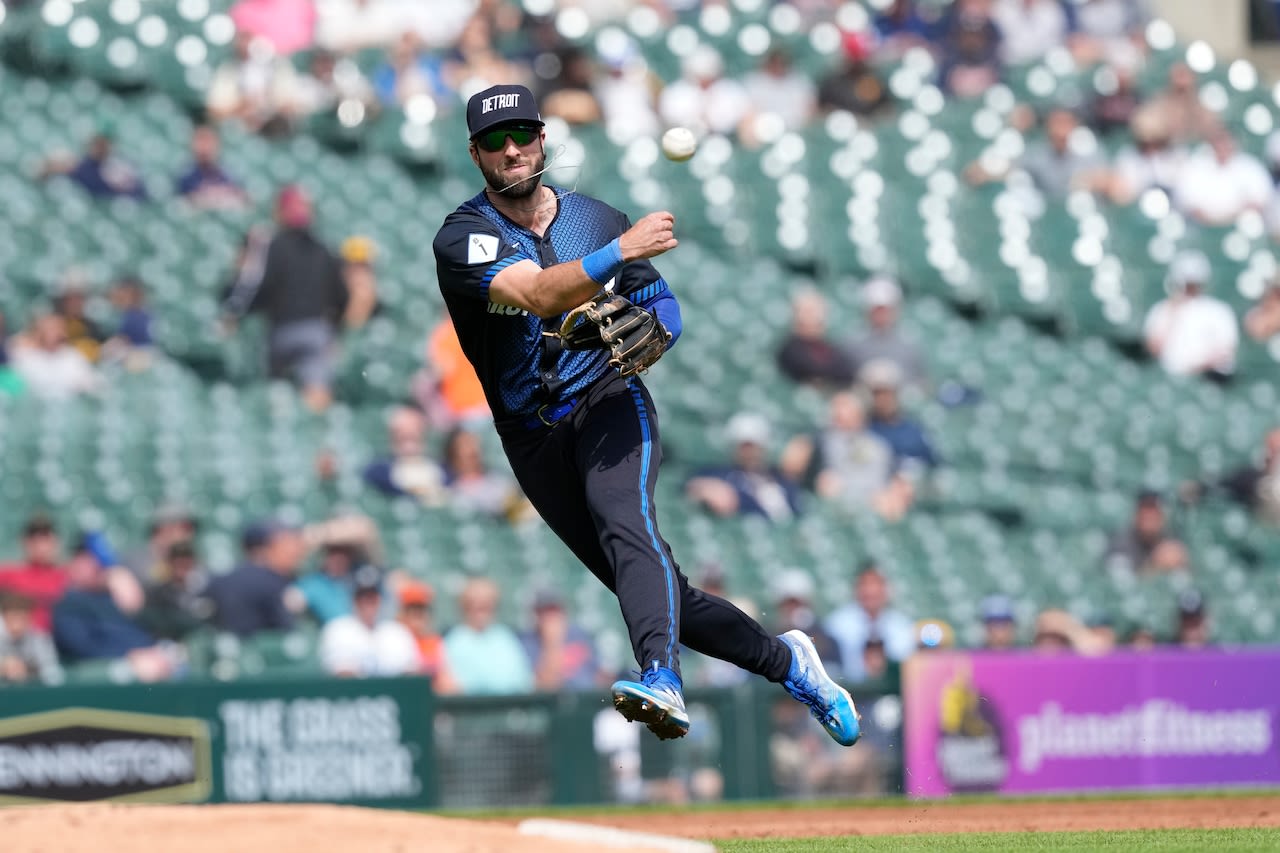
point(869, 615)
point(485, 655)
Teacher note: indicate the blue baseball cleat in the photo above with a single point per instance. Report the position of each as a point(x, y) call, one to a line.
point(808, 682)
point(655, 700)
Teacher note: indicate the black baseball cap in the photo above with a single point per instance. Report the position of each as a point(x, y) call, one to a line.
point(501, 105)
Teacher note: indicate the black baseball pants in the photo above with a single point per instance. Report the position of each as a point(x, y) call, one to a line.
point(591, 477)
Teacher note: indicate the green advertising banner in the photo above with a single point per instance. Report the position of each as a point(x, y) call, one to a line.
point(365, 742)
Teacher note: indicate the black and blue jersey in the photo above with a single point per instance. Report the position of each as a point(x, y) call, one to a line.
point(505, 344)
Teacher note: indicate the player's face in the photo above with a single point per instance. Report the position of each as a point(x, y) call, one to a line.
point(514, 170)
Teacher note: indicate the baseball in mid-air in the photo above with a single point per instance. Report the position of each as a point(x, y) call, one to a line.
point(679, 144)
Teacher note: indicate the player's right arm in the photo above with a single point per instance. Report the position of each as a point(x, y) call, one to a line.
point(483, 267)
point(551, 291)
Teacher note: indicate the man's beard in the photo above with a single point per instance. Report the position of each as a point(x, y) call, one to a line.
point(521, 189)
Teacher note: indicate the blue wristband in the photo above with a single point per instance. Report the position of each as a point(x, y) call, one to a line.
point(604, 263)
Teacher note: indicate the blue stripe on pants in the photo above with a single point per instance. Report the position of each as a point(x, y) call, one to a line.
point(646, 455)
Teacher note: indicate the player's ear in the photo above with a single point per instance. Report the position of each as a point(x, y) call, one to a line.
point(475, 155)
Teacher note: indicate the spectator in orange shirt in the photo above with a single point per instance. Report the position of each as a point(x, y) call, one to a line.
point(415, 614)
point(447, 387)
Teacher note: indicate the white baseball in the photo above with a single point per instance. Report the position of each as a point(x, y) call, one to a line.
point(679, 144)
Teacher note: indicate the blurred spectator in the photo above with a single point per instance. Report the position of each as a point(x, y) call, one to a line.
point(704, 100)
point(875, 659)
point(205, 184)
point(470, 483)
point(627, 90)
point(570, 94)
point(473, 58)
point(415, 614)
point(1151, 162)
point(778, 89)
point(90, 621)
point(133, 340)
point(854, 86)
point(346, 26)
point(1066, 159)
point(882, 339)
point(1029, 28)
point(349, 25)
point(1193, 629)
point(409, 72)
point(1189, 332)
point(1180, 109)
point(970, 47)
point(847, 464)
point(1257, 485)
point(792, 591)
point(255, 596)
point(358, 254)
point(1148, 545)
point(999, 627)
point(329, 590)
point(253, 87)
point(485, 655)
point(869, 614)
point(26, 652)
point(1219, 182)
point(1262, 322)
point(807, 354)
point(1117, 101)
point(364, 643)
point(179, 604)
point(562, 654)
point(296, 282)
point(903, 25)
point(71, 303)
point(287, 25)
point(1101, 632)
point(911, 447)
point(1109, 30)
point(328, 81)
point(749, 485)
point(447, 387)
point(170, 524)
point(1141, 639)
point(40, 576)
point(407, 470)
point(1058, 632)
point(99, 172)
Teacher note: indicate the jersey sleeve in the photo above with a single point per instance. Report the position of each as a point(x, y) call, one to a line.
point(469, 252)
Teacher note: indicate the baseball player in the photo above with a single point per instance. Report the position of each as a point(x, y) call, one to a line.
point(558, 308)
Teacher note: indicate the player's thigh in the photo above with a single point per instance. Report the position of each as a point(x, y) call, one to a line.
point(619, 450)
point(551, 482)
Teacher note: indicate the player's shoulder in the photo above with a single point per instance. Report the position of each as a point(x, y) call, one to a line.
point(459, 225)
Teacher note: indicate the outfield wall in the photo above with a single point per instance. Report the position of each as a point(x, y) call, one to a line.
point(393, 743)
point(1023, 723)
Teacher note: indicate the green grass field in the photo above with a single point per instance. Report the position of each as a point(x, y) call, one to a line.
point(1155, 841)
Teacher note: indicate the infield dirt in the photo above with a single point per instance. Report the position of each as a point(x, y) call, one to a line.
point(108, 828)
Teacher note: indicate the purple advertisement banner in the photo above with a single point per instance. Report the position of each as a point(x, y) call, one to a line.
point(1022, 723)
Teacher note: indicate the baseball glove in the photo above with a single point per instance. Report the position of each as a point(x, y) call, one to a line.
point(634, 337)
